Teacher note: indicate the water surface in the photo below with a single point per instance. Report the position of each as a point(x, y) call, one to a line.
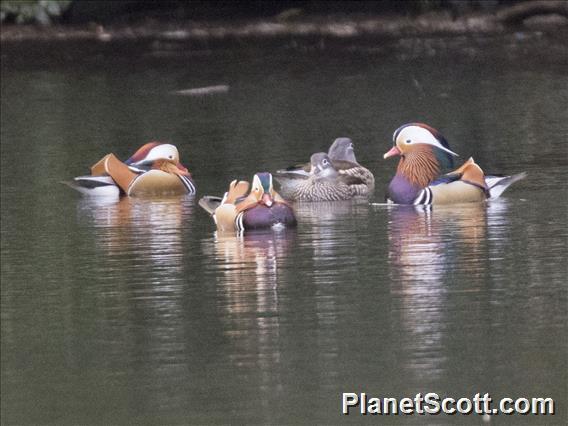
point(138, 312)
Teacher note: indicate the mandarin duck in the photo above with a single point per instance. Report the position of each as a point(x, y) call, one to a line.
point(342, 156)
point(262, 208)
point(425, 156)
point(325, 183)
point(154, 169)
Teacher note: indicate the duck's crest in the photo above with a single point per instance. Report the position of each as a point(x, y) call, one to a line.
point(142, 152)
point(266, 181)
point(445, 159)
point(435, 133)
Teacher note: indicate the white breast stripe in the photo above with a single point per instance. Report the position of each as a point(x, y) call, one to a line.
point(424, 197)
point(418, 200)
point(239, 222)
point(188, 184)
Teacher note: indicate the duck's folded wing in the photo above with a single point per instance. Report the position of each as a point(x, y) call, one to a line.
point(351, 180)
point(299, 167)
point(359, 172)
point(447, 178)
point(357, 185)
point(295, 171)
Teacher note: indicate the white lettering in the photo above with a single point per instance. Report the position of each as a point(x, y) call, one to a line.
point(464, 406)
point(406, 406)
point(374, 406)
point(349, 400)
point(390, 406)
point(542, 408)
point(503, 406)
point(445, 408)
point(433, 403)
point(525, 409)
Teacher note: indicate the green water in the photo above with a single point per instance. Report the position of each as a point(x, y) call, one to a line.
point(137, 312)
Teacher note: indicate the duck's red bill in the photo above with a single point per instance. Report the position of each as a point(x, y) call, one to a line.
point(267, 200)
point(392, 152)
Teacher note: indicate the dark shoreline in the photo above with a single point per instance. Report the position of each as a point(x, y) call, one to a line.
point(328, 26)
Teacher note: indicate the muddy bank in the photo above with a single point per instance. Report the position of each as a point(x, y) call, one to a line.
point(289, 25)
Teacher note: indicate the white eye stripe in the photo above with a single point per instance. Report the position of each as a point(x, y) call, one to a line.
point(420, 135)
point(162, 151)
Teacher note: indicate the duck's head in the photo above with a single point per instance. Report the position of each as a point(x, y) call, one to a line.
point(321, 166)
point(415, 137)
point(154, 151)
point(342, 149)
point(262, 189)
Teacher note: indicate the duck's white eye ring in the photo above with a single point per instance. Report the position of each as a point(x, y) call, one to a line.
point(325, 162)
point(408, 141)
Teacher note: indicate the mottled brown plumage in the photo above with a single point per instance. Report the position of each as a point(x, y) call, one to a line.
point(341, 154)
point(324, 183)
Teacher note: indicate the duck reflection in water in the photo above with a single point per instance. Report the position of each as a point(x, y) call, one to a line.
point(332, 227)
point(151, 229)
point(139, 285)
point(250, 265)
point(249, 268)
point(430, 253)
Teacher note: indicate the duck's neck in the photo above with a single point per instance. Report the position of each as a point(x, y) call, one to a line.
point(419, 167)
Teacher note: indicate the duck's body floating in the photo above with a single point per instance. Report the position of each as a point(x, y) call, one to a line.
point(425, 155)
point(262, 208)
point(153, 170)
point(325, 183)
point(342, 157)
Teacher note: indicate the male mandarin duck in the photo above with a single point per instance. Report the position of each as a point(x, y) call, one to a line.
point(342, 157)
point(262, 208)
point(153, 169)
point(425, 154)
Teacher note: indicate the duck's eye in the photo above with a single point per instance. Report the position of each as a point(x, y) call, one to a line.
point(256, 189)
point(325, 162)
point(171, 157)
point(408, 141)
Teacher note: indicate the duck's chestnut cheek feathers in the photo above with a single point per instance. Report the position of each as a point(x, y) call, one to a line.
point(394, 151)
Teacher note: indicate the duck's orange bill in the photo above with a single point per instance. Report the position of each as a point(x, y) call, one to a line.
point(393, 151)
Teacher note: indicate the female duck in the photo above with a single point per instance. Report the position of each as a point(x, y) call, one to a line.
point(425, 154)
point(154, 169)
point(325, 183)
point(342, 157)
point(262, 208)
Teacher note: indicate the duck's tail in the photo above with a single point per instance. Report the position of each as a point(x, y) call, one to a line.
point(209, 203)
point(99, 186)
point(498, 184)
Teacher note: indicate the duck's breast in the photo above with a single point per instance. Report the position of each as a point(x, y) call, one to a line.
point(401, 191)
point(157, 182)
point(262, 216)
